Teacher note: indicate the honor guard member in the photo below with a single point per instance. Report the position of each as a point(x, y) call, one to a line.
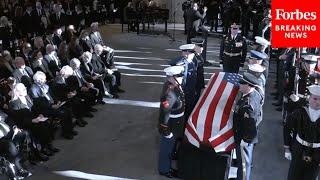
point(297, 91)
point(257, 70)
point(264, 48)
point(233, 50)
point(245, 119)
point(259, 58)
point(171, 118)
point(302, 139)
point(190, 76)
point(200, 62)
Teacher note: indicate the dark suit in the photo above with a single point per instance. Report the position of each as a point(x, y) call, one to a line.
point(86, 44)
point(57, 21)
point(57, 40)
point(44, 101)
point(96, 38)
point(54, 65)
point(26, 78)
point(37, 19)
point(23, 114)
point(193, 19)
point(28, 23)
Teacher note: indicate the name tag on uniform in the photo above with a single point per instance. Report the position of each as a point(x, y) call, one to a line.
point(239, 44)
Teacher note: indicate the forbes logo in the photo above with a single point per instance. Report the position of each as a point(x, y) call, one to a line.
point(281, 14)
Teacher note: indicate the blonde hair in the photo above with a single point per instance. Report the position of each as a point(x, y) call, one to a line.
point(16, 91)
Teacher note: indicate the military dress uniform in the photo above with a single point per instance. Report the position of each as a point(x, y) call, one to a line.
point(233, 52)
point(302, 137)
point(171, 120)
point(245, 118)
point(200, 84)
point(190, 77)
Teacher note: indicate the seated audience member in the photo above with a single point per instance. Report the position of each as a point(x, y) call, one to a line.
point(23, 73)
point(40, 64)
point(63, 92)
point(74, 48)
point(26, 53)
point(45, 103)
point(23, 114)
point(94, 71)
point(85, 41)
point(86, 86)
point(63, 53)
point(106, 56)
point(54, 63)
point(95, 35)
point(8, 148)
point(6, 68)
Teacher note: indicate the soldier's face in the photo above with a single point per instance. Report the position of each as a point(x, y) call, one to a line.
point(244, 88)
point(314, 102)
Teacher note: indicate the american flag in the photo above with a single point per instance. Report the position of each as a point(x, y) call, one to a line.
point(211, 120)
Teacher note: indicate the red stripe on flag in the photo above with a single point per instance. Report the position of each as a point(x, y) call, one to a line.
point(222, 138)
point(227, 108)
point(230, 147)
point(192, 132)
point(211, 111)
point(195, 114)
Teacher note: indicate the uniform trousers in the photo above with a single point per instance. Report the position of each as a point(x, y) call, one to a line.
point(165, 155)
point(244, 161)
point(300, 169)
point(231, 64)
point(202, 163)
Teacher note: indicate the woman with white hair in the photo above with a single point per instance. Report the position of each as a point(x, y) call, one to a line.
point(63, 91)
point(87, 89)
point(28, 118)
point(45, 103)
point(95, 73)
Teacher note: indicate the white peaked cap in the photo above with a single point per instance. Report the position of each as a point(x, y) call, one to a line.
point(314, 89)
point(174, 70)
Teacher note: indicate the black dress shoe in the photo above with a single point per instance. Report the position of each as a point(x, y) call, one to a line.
point(74, 133)
point(207, 63)
point(93, 110)
point(171, 174)
point(115, 96)
point(101, 102)
point(88, 114)
point(53, 149)
point(47, 152)
point(119, 90)
point(79, 123)
point(83, 122)
point(67, 136)
point(42, 157)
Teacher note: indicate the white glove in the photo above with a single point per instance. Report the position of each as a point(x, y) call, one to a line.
point(294, 97)
point(109, 71)
point(287, 155)
point(243, 143)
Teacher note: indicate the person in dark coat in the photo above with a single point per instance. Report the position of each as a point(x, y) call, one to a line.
point(171, 119)
point(193, 19)
point(25, 116)
point(302, 139)
point(43, 100)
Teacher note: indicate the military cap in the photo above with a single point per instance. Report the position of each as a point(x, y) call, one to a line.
point(262, 41)
point(310, 58)
point(258, 55)
point(256, 68)
point(187, 47)
point(178, 61)
point(250, 79)
point(314, 89)
point(197, 41)
point(174, 70)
